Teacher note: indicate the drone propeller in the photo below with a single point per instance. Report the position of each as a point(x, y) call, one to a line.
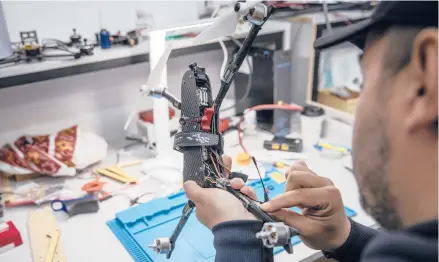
point(153, 82)
point(225, 25)
point(155, 75)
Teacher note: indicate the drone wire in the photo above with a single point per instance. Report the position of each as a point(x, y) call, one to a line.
point(225, 60)
point(344, 17)
point(210, 180)
point(214, 165)
point(220, 161)
point(266, 198)
point(249, 81)
point(223, 46)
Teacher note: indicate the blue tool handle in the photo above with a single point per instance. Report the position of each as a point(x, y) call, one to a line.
point(55, 203)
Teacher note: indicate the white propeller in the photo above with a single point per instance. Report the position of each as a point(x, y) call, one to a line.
point(153, 81)
point(155, 75)
point(225, 25)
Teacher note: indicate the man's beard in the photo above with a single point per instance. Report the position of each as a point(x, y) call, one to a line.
point(383, 212)
point(375, 196)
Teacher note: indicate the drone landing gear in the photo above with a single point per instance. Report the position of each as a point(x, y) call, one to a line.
point(166, 245)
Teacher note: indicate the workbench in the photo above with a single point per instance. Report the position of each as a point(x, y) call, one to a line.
point(87, 238)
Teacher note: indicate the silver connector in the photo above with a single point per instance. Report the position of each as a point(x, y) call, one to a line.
point(258, 14)
point(144, 89)
point(161, 93)
point(255, 13)
point(275, 235)
point(161, 245)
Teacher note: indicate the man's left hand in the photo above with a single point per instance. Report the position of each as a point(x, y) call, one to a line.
point(216, 206)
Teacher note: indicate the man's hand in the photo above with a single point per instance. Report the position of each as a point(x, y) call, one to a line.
point(323, 223)
point(215, 206)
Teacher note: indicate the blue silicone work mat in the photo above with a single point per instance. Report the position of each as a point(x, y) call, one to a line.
point(137, 227)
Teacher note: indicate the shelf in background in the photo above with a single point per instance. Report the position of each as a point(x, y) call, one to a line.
point(25, 73)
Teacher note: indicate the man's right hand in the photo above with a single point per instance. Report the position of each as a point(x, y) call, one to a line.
point(323, 224)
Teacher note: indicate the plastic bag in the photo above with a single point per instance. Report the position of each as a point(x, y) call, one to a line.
point(59, 154)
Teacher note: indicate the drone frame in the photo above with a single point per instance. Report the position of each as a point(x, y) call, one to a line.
point(200, 137)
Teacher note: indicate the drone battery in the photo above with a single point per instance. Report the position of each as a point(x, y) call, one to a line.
point(284, 144)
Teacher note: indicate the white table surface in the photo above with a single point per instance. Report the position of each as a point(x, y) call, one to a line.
point(87, 238)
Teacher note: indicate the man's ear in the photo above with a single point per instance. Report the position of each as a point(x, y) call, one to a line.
point(424, 63)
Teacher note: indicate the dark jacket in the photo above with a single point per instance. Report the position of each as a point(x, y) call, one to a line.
point(236, 241)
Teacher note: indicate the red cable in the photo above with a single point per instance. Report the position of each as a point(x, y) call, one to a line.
point(291, 107)
point(345, 19)
point(214, 165)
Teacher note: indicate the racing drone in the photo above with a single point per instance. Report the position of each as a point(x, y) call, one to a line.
point(31, 49)
point(200, 140)
point(76, 41)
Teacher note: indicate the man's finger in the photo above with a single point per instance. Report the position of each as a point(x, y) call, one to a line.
point(227, 161)
point(248, 191)
point(301, 163)
point(237, 183)
point(306, 197)
point(298, 166)
point(194, 192)
point(300, 179)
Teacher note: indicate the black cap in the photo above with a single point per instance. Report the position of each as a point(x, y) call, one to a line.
point(405, 13)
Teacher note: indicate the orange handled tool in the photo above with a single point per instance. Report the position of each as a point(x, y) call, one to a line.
point(96, 186)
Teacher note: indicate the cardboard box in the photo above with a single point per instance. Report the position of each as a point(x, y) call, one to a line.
point(348, 105)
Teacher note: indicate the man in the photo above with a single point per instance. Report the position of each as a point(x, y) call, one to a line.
point(395, 156)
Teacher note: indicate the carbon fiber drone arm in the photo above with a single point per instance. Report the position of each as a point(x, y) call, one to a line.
point(163, 93)
point(229, 73)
